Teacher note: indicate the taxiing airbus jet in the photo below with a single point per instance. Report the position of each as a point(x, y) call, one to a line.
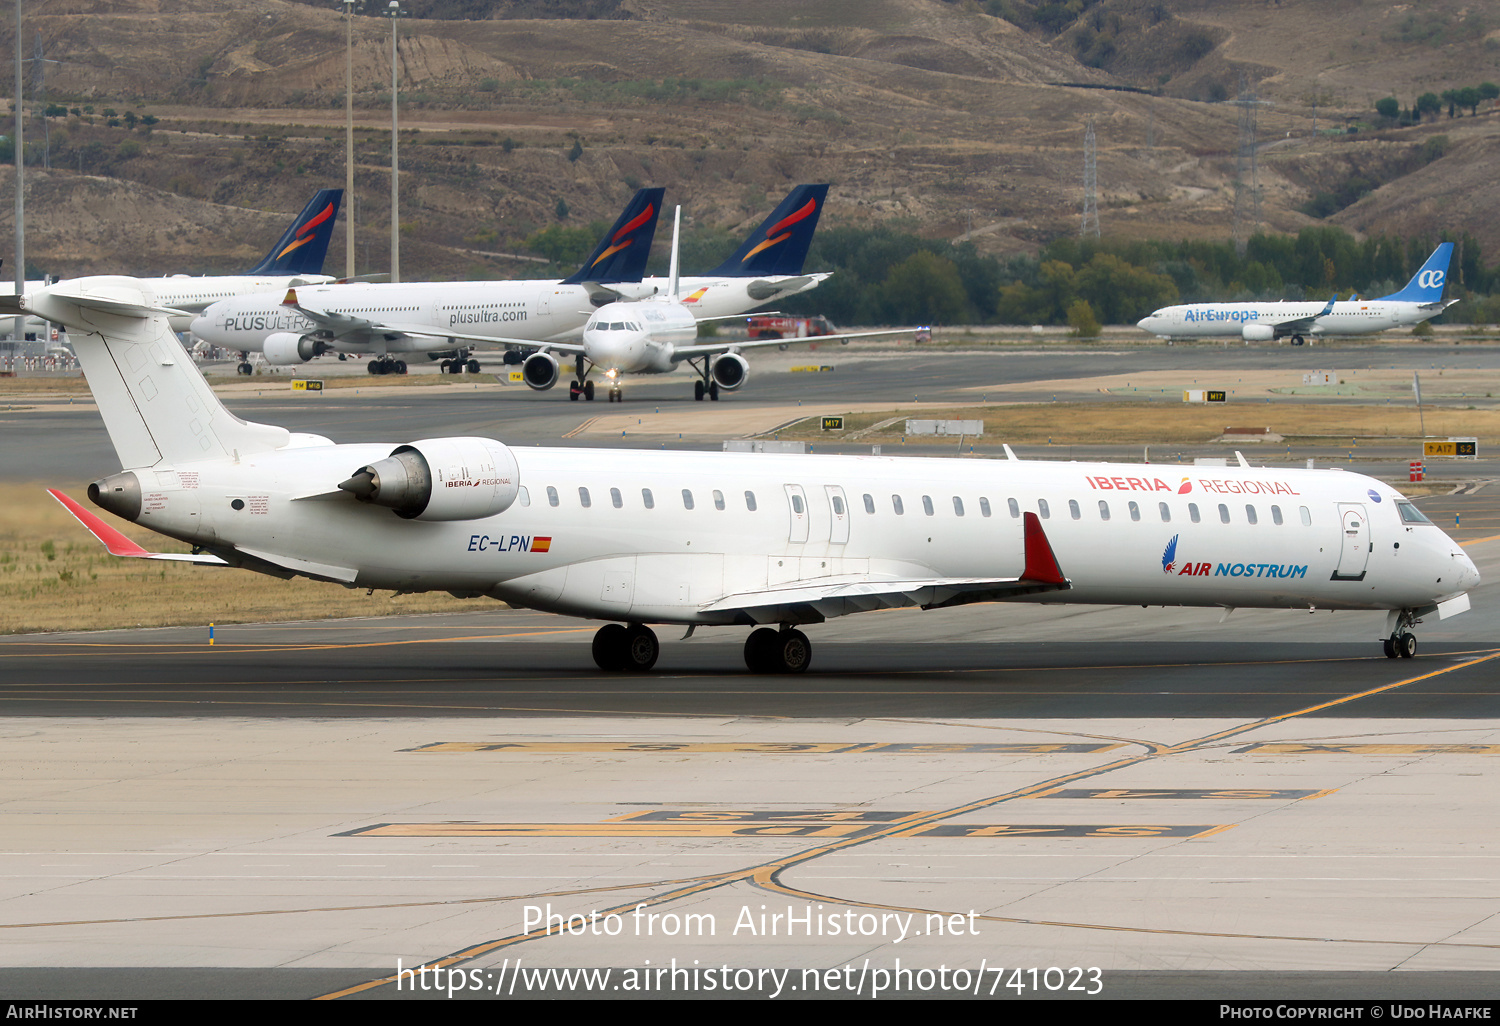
point(1421, 299)
point(388, 321)
point(653, 336)
point(767, 542)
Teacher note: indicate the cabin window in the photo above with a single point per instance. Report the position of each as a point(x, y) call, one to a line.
point(687, 499)
point(718, 499)
point(583, 497)
point(1306, 516)
point(523, 496)
point(984, 506)
point(1276, 515)
point(1103, 510)
point(897, 506)
point(551, 496)
point(1044, 509)
point(1223, 513)
point(1135, 511)
point(927, 505)
point(646, 498)
point(750, 501)
point(797, 506)
point(838, 505)
point(1015, 508)
point(616, 498)
point(1073, 510)
point(869, 504)
point(1166, 512)
point(1193, 513)
point(1250, 514)
point(958, 506)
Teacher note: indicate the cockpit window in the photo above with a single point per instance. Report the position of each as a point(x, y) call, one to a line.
point(1410, 514)
point(617, 326)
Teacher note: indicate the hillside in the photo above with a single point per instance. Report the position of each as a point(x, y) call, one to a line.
point(939, 114)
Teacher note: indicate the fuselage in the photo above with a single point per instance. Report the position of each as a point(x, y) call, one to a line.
point(190, 294)
point(539, 311)
point(651, 536)
point(638, 338)
point(1356, 317)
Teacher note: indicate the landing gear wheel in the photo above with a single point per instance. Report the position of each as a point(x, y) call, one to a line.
point(245, 368)
point(713, 391)
point(1390, 647)
point(641, 648)
point(793, 652)
point(698, 391)
point(616, 395)
point(512, 358)
point(1406, 645)
point(400, 367)
point(375, 367)
point(609, 647)
point(446, 367)
point(574, 391)
point(758, 650)
point(1298, 340)
point(588, 390)
point(472, 366)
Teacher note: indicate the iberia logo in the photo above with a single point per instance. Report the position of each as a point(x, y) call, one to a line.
point(621, 239)
point(303, 233)
point(697, 295)
point(1185, 487)
point(772, 239)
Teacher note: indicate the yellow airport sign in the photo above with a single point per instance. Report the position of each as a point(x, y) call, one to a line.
point(1458, 447)
point(833, 423)
point(307, 385)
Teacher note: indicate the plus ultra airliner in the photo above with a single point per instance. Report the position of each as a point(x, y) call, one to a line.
point(389, 321)
point(1421, 299)
point(767, 542)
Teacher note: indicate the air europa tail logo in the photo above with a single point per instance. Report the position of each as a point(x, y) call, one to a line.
point(772, 238)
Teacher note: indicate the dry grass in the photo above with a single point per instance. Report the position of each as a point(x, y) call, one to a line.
point(55, 576)
point(1167, 423)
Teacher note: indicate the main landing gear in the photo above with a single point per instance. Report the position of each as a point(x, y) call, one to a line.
point(244, 367)
point(1402, 643)
point(770, 651)
point(582, 386)
point(386, 365)
point(706, 385)
point(459, 363)
point(633, 649)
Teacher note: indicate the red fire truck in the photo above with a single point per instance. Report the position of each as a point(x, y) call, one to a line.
point(775, 326)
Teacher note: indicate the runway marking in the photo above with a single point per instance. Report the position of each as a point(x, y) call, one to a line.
point(1291, 748)
point(765, 747)
point(1236, 794)
point(767, 874)
point(781, 826)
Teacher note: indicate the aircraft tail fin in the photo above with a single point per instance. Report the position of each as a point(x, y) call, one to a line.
point(1426, 286)
point(156, 405)
point(304, 245)
point(621, 254)
point(780, 244)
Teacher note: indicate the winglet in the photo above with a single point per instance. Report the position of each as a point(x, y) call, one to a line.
point(1041, 564)
point(114, 541)
point(1327, 309)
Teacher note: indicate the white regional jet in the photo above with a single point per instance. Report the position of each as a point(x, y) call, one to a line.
point(1261, 322)
point(723, 539)
point(389, 321)
point(653, 336)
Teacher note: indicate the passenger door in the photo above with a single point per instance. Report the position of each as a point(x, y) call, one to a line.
point(1355, 552)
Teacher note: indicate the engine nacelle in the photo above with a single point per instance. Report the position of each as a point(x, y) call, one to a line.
point(730, 371)
point(441, 479)
point(1258, 332)
point(284, 348)
point(539, 371)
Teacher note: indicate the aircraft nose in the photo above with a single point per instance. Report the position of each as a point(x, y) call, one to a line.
point(1146, 324)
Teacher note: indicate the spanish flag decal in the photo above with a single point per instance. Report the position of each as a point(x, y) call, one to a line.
point(540, 544)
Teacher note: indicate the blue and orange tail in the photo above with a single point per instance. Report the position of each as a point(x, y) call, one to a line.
point(1426, 286)
point(621, 255)
point(779, 245)
point(302, 249)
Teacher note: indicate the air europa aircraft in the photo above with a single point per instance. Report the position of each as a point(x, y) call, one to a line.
point(1421, 299)
point(769, 542)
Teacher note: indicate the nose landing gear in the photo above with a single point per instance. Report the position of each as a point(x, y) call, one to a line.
point(1402, 643)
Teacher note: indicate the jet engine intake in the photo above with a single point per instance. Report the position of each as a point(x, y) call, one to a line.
point(284, 348)
point(540, 371)
point(730, 371)
point(1258, 332)
point(441, 479)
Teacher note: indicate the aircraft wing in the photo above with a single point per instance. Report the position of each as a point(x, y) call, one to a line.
point(815, 601)
point(1297, 325)
point(691, 352)
point(341, 326)
point(118, 544)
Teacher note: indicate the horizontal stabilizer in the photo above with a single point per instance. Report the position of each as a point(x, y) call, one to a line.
point(118, 544)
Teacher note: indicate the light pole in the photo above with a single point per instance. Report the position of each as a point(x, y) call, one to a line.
point(349, 141)
point(20, 322)
point(395, 13)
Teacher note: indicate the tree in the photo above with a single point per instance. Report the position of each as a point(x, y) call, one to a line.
point(925, 287)
point(576, 151)
point(1429, 103)
point(1469, 97)
point(1082, 320)
point(1388, 108)
point(561, 210)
